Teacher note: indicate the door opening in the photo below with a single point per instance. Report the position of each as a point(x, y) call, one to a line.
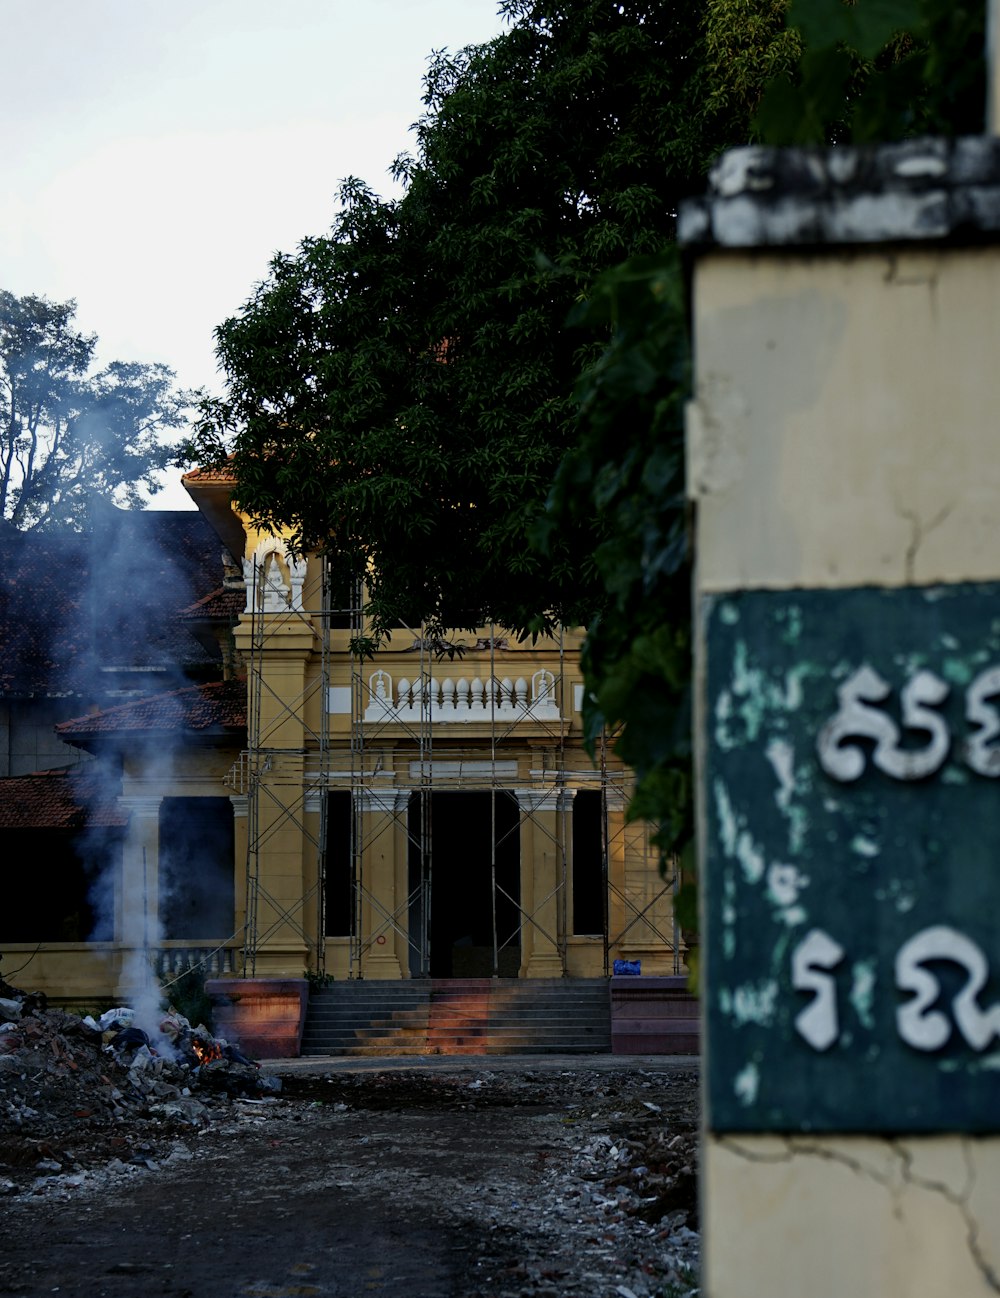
point(465, 884)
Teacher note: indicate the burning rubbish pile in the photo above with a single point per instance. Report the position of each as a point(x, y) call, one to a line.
point(69, 1079)
point(174, 1040)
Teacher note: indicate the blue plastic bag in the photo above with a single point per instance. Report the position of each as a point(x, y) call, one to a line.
point(627, 967)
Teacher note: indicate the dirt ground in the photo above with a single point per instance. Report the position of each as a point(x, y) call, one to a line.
point(472, 1178)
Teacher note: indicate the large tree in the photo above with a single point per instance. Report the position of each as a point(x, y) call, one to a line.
point(401, 390)
point(70, 435)
point(877, 69)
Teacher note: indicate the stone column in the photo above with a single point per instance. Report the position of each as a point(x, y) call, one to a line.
point(646, 931)
point(842, 450)
point(240, 825)
point(137, 920)
point(381, 808)
point(618, 915)
point(279, 850)
point(543, 881)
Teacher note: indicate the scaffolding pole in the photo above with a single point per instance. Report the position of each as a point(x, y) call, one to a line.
point(392, 760)
point(285, 786)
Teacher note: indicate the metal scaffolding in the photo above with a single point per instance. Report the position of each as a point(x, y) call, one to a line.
point(394, 755)
point(284, 782)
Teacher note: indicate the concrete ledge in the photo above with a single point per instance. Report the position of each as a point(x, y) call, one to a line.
point(263, 1016)
point(654, 1016)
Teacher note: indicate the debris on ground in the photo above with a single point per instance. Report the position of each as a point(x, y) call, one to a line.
point(592, 1182)
point(65, 1080)
point(613, 1192)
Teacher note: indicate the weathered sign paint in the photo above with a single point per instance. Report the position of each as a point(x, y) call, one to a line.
point(853, 849)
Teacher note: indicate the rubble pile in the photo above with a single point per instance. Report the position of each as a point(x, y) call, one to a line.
point(658, 1171)
point(609, 1205)
point(623, 1203)
point(76, 1093)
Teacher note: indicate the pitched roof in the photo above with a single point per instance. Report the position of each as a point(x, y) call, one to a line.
point(72, 604)
point(59, 800)
point(212, 491)
point(218, 708)
point(218, 604)
point(224, 474)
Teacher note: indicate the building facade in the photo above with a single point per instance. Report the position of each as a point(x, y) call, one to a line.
point(429, 811)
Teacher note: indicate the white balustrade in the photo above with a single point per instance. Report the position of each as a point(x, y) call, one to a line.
point(212, 961)
point(462, 699)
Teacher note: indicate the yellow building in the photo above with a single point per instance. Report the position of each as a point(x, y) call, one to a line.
point(428, 812)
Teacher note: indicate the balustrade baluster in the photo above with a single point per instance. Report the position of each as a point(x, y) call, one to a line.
point(462, 699)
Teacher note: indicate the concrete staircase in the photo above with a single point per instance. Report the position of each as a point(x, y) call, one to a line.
point(470, 1016)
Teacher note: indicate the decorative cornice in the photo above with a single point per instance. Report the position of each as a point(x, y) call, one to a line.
point(141, 804)
point(535, 800)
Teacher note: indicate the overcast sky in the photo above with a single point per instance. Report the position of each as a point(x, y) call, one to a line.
point(155, 153)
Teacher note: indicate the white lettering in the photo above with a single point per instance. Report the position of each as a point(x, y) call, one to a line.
point(920, 1021)
point(856, 718)
point(983, 759)
point(927, 1029)
point(818, 1023)
point(924, 691)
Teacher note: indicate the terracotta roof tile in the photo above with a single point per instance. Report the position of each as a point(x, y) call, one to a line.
point(59, 800)
point(219, 708)
point(220, 603)
point(207, 476)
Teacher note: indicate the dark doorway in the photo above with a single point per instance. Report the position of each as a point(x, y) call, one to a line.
point(196, 868)
point(458, 861)
point(340, 907)
point(588, 863)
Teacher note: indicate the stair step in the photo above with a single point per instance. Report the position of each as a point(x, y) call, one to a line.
point(459, 1016)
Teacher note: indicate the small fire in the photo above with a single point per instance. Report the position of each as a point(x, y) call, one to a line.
point(206, 1052)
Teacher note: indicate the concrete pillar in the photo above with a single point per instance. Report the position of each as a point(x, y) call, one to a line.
point(281, 854)
point(543, 881)
point(405, 943)
point(617, 910)
point(842, 454)
point(137, 921)
point(380, 913)
point(240, 813)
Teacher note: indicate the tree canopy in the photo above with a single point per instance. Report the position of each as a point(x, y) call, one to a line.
point(637, 653)
point(404, 390)
point(400, 390)
point(879, 70)
point(70, 435)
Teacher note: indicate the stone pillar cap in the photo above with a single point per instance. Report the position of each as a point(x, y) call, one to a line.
point(915, 190)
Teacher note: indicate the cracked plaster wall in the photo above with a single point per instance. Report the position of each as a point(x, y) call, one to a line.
point(843, 433)
point(843, 428)
point(830, 1216)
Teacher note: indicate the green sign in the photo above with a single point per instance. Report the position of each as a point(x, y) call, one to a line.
point(852, 890)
